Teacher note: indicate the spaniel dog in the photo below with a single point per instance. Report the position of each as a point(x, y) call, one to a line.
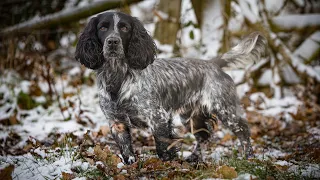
point(138, 91)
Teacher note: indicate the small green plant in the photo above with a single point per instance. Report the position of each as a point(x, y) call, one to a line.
point(25, 101)
point(263, 169)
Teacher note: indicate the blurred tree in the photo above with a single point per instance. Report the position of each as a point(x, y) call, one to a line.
point(16, 11)
point(167, 26)
point(39, 26)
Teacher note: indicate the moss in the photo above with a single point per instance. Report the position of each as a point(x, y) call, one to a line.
point(263, 169)
point(25, 101)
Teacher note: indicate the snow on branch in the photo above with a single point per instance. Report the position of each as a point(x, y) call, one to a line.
point(293, 60)
point(309, 49)
point(65, 16)
point(296, 21)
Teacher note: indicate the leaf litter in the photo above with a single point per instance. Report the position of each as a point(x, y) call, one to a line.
point(71, 139)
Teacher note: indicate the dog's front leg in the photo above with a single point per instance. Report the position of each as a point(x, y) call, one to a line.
point(121, 135)
point(163, 138)
point(120, 131)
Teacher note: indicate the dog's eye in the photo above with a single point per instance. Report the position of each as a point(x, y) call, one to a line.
point(124, 29)
point(103, 28)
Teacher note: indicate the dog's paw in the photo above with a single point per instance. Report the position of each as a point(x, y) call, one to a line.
point(168, 155)
point(248, 152)
point(194, 158)
point(131, 160)
point(128, 160)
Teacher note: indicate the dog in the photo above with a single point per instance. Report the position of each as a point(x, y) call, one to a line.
point(136, 90)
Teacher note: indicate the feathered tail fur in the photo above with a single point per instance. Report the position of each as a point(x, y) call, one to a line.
point(246, 52)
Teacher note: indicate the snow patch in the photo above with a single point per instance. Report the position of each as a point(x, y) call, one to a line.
point(275, 106)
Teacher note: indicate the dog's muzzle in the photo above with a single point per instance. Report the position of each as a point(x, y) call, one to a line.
point(113, 45)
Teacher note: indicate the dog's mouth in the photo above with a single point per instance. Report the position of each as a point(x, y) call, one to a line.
point(113, 54)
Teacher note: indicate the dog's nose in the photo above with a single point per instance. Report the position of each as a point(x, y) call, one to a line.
point(113, 41)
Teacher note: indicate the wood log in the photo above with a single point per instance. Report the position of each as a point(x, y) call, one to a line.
point(65, 16)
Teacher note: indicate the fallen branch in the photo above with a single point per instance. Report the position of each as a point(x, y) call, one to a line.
point(65, 16)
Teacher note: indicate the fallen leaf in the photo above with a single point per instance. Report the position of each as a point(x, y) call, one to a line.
point(34, 89)
point(90, 161)
point(255, 130)
point(119, 177)
point(105, 130)
point(115, 159)
point(270, 178)
point(227, 172)
point(5, 173)
point(67, 176)
point(226, 138)
point(153, 164)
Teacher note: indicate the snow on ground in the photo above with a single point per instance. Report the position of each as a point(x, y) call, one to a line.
point(40, 122)
point(29, 167)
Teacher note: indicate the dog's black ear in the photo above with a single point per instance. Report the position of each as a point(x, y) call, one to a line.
point(89, 49)
point(142, 49)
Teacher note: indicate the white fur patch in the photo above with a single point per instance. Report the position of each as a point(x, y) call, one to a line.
point(206, 101)
point(131, 160)
point(178, 127)
point(176, 120)
point(116, 20)
point(126, 94)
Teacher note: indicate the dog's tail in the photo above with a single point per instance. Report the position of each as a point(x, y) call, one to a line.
point(246, 52)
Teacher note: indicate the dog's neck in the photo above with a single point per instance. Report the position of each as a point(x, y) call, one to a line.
point(112, 74)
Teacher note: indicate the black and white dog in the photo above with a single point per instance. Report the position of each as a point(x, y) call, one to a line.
point(138, 91)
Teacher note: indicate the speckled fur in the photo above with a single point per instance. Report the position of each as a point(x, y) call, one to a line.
point(137, 91)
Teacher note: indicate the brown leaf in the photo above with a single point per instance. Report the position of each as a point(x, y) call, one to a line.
point(227, 137)
point(95, 134)
point(270, 178)
point(27, 147)
point(13, 119)
point(185, 165)
point(115, 159)
point(34, 89)
point(90, 161)
point(67, 176)
point(51, 45)
point(100, 154)
point(119, 177)
point(246, 101)
point(153, 164)
point(227, 172)
point(69, 94)
point(282, 168)
point(106, 156)
point(5, 173)
point(255, 130)
point(105, 130)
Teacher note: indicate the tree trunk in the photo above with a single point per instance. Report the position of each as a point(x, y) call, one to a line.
point(168, 25)
point(198, 7)
point(211, 27)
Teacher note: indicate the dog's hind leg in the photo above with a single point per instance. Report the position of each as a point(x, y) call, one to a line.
point(240, 128)
point(202, 129)
point(162, 132)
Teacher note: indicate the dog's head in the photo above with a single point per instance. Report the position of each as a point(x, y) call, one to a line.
point(115, 35)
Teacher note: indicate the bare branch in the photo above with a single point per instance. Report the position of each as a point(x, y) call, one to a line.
point(288, 23)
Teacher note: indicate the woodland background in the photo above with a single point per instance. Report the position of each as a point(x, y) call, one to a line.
point(51, 126)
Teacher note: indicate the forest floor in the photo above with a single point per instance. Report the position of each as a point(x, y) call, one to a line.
point(68, 138)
